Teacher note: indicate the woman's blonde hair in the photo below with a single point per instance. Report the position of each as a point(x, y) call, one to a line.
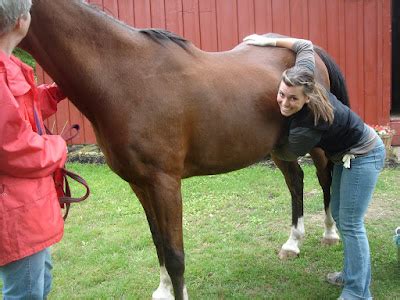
point(319, 103)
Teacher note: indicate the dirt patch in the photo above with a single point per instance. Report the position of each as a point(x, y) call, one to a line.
point(381, 209)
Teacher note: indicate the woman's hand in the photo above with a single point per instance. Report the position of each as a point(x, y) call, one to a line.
point(262, 40)
point(259, 40)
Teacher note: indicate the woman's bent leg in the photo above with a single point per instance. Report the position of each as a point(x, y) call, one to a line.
point(356, 188)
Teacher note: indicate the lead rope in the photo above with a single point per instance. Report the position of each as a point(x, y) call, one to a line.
point(61, 175)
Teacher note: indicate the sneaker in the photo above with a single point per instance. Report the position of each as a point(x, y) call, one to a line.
point(335, 278)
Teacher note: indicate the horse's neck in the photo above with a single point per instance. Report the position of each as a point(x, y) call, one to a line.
point(73, 42)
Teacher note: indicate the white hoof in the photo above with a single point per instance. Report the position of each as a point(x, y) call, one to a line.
point(289, 252)
point(291, 249)
point(166, 294)
point(330, 240)
point(165, 289)
point(330, 237)
point(162, 294)
point(286, 255)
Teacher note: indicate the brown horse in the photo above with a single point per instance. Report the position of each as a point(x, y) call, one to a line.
point(163, 110)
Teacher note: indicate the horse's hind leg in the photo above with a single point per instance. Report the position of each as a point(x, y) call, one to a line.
point(162, 202)
point(324, 174)
point(294, 179)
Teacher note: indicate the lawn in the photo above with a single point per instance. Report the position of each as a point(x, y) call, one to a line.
point(234, 226)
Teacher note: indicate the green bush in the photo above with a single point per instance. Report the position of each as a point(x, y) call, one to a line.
point(25, 57)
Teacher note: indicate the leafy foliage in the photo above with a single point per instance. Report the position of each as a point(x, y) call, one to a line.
point(25, 57)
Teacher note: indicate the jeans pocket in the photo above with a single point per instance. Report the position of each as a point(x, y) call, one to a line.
point(380, 159)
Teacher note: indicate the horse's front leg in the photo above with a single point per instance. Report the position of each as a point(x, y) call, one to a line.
point(324, 173)
point(294, 179)
point(162, 202)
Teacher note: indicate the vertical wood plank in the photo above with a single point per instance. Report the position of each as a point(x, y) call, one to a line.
point(246, 24)
point(191, 21)
point(333, 34)
point(227, 24)
point(342, 35)
point(306, 15)
point(111, 7)
point(174, 16)
point(360, 57)
point(125, 12)
point(351, 54)
point(142, 13)
point(281, 16)
point(371, 63)
point(317, 22)
point(263, 16)
point(297, 18)
point(386, 30)
point(157, 8)
point(208, 25)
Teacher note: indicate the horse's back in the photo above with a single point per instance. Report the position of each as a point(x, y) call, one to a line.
point(234, 119)
point(237, 118)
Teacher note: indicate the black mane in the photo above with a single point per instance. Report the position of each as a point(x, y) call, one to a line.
point(157, 35)
point(160, 35)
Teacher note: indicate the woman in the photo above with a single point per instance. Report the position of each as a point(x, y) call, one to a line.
point(30, 216)
point(317, 119)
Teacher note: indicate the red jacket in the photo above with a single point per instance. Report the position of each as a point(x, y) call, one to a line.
point(30, 216)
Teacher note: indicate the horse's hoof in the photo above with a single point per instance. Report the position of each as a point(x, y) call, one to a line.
point(330, 241)
point(287, 254)
point(163, 298)
point(162, 294)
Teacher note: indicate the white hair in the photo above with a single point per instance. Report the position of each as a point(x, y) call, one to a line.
point(10, 11)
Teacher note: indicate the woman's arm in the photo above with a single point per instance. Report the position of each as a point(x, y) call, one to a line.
point(304, 49)
point(49, 96)
point(23, 152)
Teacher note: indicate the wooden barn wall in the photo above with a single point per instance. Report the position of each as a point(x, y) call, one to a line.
point(355, 32)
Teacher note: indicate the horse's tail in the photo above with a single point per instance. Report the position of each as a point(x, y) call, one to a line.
point(338, 84)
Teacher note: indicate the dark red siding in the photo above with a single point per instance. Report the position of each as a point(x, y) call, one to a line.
point(356, 33)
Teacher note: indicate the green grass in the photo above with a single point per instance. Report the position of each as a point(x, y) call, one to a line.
point(25, 57)
point(234, 226)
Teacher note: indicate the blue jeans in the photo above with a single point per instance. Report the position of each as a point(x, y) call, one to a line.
point(27, 278)
point(351, 193)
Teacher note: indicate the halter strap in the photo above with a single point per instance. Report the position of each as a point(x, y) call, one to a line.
point(61, 175)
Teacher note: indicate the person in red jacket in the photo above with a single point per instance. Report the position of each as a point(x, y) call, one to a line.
point(30, 215)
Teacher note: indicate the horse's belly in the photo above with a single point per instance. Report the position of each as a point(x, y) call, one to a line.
point(225, 151)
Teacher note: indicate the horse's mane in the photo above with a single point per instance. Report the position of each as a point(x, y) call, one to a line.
point(160, 35)
point(157, 35)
